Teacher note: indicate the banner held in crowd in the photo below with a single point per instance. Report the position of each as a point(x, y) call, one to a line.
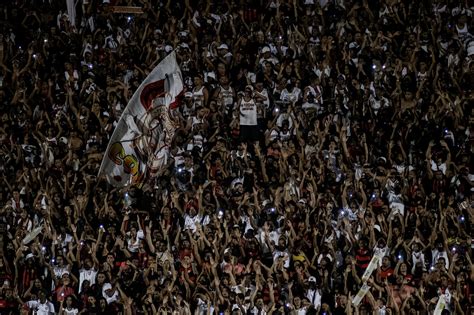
point(139, 145)
point(360, 295)
point(440, 305)
point(374, 262)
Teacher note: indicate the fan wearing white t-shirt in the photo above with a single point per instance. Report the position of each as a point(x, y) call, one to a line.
point(381, 250)
point(134, 238)
point(88, 272)
point(68, 309)
point(248, 116)
point(313, 294)
point(225, 93)
point(41, 306)
point(110, 293)
point(290, 94)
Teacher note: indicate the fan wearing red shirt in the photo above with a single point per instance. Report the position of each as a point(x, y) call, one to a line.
point(186, 270)
point(9, 302)
point(363, 256)
point(386, 270)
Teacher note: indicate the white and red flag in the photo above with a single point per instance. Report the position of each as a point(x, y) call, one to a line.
point(139, 146)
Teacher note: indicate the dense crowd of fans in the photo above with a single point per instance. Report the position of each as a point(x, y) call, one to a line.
point(313, 135)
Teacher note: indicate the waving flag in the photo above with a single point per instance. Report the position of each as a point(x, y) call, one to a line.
point(139, 145)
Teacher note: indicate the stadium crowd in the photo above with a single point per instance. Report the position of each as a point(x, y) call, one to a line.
point(312, 136)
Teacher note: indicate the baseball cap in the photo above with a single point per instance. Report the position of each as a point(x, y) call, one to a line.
point(107, 286)
point(223, 46)
point(311, 279)
point(63, 140)
point(353, 45)
point(265, 49)
point(30, 255)
point(470, 50)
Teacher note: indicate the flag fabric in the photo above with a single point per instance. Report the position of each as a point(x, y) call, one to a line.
point(71, 12)
point(374, 262)
point(441, 305)
point(360, 295)
point(139, 145)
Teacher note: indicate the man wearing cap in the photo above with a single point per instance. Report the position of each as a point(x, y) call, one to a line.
point(224, 54)
point(313, 293)
point(266, 56)
point(188, 109)
point(110, 293)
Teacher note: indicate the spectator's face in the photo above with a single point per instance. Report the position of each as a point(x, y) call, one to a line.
point(223, 80)
point(297, 302)
point(381, 243)
point(222, 52)
point(416, 247)
point(100, 278)
point(8, 293)
point(23, 214)
point(110, 259)
point(403, 267)
point(42, 296)
point(185, 244)
point(87, 263)
point(197, 81)
point(268, 68)
point(298, 267)
point(282, 243)
point(69, 301)
point(56, 198)
point(329, 206)
point(66, 280)
point(60, 261)
point(188, 101)
point(162, 246)
point(38, 283)
point(188, 161)
point(444, 281)
point(91, 300)
point(103, 303)
point(322, 264)
point(353, 205)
